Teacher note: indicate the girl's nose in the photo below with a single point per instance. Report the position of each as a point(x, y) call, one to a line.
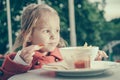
point(53, 35)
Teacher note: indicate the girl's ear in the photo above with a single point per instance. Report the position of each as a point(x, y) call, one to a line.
point(29, 39)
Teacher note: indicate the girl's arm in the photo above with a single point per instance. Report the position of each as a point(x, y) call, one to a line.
point(10, 68)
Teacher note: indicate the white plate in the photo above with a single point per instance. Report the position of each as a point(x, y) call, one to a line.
point(97, 67)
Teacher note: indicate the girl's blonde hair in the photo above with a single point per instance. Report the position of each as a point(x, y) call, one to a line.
point(29, 18)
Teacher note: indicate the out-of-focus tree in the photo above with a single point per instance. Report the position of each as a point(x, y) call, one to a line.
point(3, 27)
point(116, 28)
point(16, 7)
point(89, 23)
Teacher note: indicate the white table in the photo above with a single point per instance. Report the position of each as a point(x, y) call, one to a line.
point(39, 74)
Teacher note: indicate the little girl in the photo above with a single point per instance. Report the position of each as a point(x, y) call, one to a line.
point(39, 38)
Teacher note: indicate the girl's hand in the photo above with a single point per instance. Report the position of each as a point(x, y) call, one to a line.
point(28, 52)
point(101, 54)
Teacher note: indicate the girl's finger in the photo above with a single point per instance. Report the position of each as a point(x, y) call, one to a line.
point(105, 55)
point(32, 50)
point(37, 47)
point(29, 60)
point(28, 55)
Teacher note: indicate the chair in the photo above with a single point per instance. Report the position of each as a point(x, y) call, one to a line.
point(113, 49)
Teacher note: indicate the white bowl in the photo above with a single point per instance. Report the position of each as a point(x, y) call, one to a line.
point(69, 52)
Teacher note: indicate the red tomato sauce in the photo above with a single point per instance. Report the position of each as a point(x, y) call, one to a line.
point(82, 64)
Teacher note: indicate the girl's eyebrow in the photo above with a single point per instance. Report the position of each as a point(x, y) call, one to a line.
point(40, 27)
point(47, 27)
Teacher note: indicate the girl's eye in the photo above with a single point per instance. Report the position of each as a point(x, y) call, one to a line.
point(46, 31)
point(57, 30)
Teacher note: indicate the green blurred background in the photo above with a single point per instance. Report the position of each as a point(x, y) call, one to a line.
point(91, 26)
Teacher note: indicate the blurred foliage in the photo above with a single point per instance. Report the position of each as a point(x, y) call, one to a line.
point(91, 26)
point(89, 23)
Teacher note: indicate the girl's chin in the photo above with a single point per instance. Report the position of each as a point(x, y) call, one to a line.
point(51, 49)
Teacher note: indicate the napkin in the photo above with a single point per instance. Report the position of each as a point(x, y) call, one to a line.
point(58, 65)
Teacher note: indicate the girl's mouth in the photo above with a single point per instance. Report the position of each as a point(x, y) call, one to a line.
point(52, 43)
point(41, 44)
